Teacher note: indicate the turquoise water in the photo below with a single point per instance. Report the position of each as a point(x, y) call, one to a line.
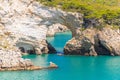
point(70, 67)
point(59, 40)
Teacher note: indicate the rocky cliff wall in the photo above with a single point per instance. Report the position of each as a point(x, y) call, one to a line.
point(24, 25)
point(93, 42)
point(30, 22)
point(10, 56)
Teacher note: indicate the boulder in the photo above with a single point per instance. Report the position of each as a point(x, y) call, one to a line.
point(53, 65)
point(81, 44)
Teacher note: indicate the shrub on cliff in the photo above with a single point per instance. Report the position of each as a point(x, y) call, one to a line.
point(105, 9)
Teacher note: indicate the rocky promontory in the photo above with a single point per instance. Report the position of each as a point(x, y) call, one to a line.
point(11, 56)
point(30, 22)
point(24, 25)
point(95, 42)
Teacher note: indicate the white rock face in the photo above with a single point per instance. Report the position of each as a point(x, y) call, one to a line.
point(30, 22)
point(12, 59)
point(10, 56)
point(26, 24)
point(17, 18)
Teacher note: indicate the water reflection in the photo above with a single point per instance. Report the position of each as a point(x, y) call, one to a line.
point(40, 60)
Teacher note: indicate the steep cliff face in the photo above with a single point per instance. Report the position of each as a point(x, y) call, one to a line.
point(10, 56)
point(110, 40)
point(23, 18)
point(24, 25)
point(30, 22)
point(95, 42)
point(82, 44)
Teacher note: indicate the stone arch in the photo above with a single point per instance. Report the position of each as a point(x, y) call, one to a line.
point(73, 22)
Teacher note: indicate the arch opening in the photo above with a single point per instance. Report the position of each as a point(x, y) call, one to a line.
point(26, 48)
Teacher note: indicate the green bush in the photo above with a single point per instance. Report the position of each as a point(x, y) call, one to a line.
point(105, 9)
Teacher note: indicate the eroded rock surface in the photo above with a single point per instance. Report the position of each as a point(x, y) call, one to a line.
point(24, 25)
point(30, 22)
point(95, 42)
point(110, 39)
point(10, 56)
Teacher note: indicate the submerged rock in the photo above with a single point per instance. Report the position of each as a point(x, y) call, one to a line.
point(53, 65)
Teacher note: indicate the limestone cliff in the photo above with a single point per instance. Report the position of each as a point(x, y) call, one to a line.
point(10, 56)
point(95, 42)
point(22, 19)
point(30, 22)
point(24, 25)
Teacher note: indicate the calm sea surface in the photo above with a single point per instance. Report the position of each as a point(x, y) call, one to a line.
point(70, 67)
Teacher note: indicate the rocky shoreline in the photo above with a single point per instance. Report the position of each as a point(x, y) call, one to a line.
point(30, 68)
point(93, 42)
point(13, 61)
point(24, 25)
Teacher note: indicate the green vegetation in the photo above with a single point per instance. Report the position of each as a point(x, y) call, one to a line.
point(106, 9)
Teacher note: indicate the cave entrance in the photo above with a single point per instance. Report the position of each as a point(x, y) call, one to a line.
point(22, 49)
point(26, 48)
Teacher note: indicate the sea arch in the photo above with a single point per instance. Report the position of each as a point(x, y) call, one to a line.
point(73, 22)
